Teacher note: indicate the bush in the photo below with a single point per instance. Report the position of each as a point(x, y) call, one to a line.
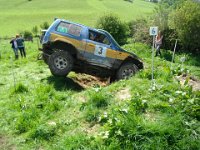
point(44, 25)
point(140, 31)
point(28, 35)
point(186, 21)
point(119, 30)
point(44, 132)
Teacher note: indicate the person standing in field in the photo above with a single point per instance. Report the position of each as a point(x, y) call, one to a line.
point(158, 43)
point(20, 44)
point(14, 46)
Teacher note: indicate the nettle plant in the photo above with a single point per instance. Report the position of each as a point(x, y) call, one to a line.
point(180, 70)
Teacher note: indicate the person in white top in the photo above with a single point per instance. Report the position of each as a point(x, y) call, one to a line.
point(158, 43)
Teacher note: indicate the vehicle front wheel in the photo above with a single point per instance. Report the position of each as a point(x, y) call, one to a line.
point(60, 63)
point(126, 70)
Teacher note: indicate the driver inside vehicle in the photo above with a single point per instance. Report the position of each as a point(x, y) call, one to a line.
point(92, 36)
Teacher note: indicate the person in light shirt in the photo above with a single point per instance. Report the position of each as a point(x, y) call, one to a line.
point(158, 43)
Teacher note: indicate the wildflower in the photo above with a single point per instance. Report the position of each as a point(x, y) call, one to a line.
point(124, 110)
point(105, 114)
point(171, 100)
point(52, 123)
point(106, 135)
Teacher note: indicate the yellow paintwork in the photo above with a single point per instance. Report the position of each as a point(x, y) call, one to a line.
point(90, 47)
point(76, 43)
point(110, 52)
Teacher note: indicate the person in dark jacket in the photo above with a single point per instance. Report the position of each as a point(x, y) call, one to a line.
point(20, 45)
point(14, 46)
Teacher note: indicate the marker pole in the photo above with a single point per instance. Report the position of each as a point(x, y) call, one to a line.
point(152, 76)
point(174, 51)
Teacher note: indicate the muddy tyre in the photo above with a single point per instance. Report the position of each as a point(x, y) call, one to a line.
point(60, 63)
point(126, 71)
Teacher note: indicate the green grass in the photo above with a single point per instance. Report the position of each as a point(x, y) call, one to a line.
point(39, 111)
point(20, 15)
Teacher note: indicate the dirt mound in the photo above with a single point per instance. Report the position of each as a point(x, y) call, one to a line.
point(90, 81)
point(192, 81)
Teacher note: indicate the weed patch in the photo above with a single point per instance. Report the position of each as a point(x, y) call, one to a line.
point(20, 88)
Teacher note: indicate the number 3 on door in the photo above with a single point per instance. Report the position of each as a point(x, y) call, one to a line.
point(100, 51)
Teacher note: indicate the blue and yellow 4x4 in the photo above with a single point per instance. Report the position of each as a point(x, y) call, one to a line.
point(69, 46)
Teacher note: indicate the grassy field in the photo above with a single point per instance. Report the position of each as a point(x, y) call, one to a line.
point(20, 15)
point(39, 111)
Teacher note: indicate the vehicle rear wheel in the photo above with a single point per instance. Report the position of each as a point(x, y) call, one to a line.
point(126, 70)
point(60, 63)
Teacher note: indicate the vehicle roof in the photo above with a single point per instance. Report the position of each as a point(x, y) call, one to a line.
point(90, 28)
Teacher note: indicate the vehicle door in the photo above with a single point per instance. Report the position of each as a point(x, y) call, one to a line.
point(98, 50)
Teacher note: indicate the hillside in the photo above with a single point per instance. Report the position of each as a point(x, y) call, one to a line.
point(39, 111)
point(20, 15)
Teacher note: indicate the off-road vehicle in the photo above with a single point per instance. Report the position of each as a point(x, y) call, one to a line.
point(68, 46)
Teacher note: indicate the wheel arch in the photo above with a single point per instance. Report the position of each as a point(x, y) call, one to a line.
point(60, 45)
point(137, 62)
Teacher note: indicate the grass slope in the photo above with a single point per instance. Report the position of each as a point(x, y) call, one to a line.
point(39, 111)
point(20, 15)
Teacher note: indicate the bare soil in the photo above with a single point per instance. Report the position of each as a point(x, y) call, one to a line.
point(87, 81)
point(123, 94)
point(192, 81)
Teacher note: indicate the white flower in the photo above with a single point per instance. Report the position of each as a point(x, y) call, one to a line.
point(119, 132)
point(110, 121)
point(105, 114)
point(182, 59)
point(52, 123)
point(184, 93)
point(124, 110)
point(106, 134)
point(178, 92)
point(171, 100)
point(99, 119)
point(144, 101)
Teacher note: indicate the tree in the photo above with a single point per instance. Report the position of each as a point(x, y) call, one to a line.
point(186, 21)
point(111, 23)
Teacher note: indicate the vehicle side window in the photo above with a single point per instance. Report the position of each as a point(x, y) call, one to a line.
point(69, 28)
point(98, 37)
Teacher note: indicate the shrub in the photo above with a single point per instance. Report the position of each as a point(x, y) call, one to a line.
point(28, 35)
point(140, 31)
point(44, 25)
point(20, 88)
point(186, 20)
point(112, 24)
point(26, 121)
point(44, 132)
point(92, 114)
